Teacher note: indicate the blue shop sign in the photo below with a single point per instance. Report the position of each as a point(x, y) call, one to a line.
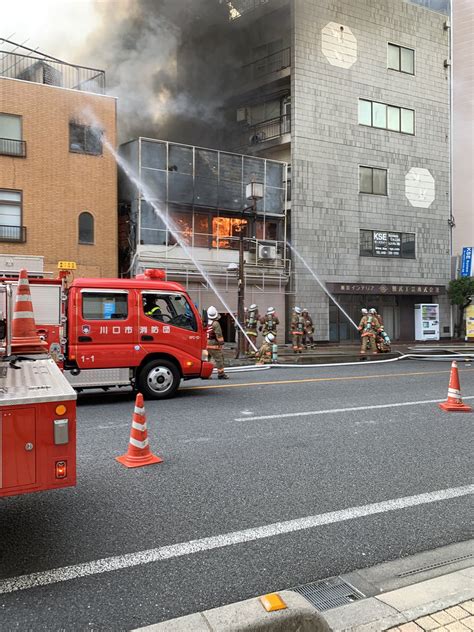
point(466, 262)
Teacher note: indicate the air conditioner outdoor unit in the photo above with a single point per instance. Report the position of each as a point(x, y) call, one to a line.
point(267, 252)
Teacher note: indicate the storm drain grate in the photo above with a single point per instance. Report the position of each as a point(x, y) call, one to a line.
point(430, 567)
point(329, 593)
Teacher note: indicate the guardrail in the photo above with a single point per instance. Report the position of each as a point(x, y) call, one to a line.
point(13, 233)
point(266, 130)
point(51, 72)
point(11, 147)
point(267, 65)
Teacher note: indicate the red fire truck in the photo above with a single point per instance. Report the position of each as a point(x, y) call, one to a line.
point(145, 331)
point(37, 416)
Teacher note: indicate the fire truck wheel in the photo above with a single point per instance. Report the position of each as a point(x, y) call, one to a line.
point(159, 379)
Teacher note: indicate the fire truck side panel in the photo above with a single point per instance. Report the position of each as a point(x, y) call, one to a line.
point(37, 428)
point(18, 431)
point(104, 330)
point(29, 456)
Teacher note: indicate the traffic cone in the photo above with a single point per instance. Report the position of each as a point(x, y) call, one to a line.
point(25, 338)
point(138, 452)
point(454, 403)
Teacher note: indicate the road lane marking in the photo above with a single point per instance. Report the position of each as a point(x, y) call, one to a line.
point(129, 560)
point(312, 379)
point(308, 413)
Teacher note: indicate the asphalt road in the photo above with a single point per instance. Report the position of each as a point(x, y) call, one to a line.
point(238, 478)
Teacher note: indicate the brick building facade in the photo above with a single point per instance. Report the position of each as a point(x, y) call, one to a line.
point(58, 184)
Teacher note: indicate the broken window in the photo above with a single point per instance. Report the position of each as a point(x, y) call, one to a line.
point(84, 139)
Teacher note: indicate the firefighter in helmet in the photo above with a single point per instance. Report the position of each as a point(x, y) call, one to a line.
point(215, 342)
point(252, 318)
point(153, 309)
point(382, 340)
point(368, 326)
point(265, 353)
point(308, 340)
point(297, 330)
point(269, 322)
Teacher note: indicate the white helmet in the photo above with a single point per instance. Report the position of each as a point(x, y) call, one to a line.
point(297, 310)
point(212, 313)
point(363, 310)
point(253, 307)
point(304, 311)
point(270, 311)
point(270, 337)
point(372, 310)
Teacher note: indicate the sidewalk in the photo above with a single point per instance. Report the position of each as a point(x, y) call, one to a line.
point(330, 353)
point(457, 619)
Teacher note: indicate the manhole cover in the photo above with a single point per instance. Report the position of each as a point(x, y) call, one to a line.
point(329, 593)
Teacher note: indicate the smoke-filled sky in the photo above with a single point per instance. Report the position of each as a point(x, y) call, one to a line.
point(135, 42)
point(57, 27)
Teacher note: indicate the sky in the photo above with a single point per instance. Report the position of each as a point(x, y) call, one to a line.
point(44, 24)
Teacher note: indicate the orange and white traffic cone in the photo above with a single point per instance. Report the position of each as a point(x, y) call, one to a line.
point(25, 338)
point(454, 403)
point(138, 452)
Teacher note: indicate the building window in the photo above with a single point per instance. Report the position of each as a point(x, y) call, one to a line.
point(11, 143)
point(378, 243)
point(84, 139)
point(11, 216)
point(383, 116)
point(226, 232)
point(372, 180)
point(86, 228)
point(401, 59)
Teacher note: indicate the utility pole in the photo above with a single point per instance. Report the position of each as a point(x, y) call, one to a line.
point(254, 192)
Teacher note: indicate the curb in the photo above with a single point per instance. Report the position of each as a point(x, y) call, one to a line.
point(249, 616)
point(373, 614)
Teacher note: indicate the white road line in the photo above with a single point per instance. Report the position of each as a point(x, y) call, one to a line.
point(129, 560)
point(309, 413)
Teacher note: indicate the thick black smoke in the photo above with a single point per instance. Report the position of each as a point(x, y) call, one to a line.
point(169, 62)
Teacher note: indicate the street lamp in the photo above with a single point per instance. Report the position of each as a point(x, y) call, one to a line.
point(254, 192)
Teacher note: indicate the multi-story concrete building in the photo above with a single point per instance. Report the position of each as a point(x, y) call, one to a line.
point(202, 195)
point(355, 97)
point(58, 184)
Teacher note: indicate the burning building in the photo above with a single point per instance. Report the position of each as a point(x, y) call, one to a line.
point(201, 192)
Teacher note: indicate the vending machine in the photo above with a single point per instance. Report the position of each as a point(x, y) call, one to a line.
point(427, 321)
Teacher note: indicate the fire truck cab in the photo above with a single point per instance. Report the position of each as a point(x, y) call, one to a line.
point(143, 331)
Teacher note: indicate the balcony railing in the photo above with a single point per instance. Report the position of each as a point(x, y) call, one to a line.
point(13, 233)
point(10, 147)
point(51, 72)
point(267, 130)
point(267, 65)
point(238, 8)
